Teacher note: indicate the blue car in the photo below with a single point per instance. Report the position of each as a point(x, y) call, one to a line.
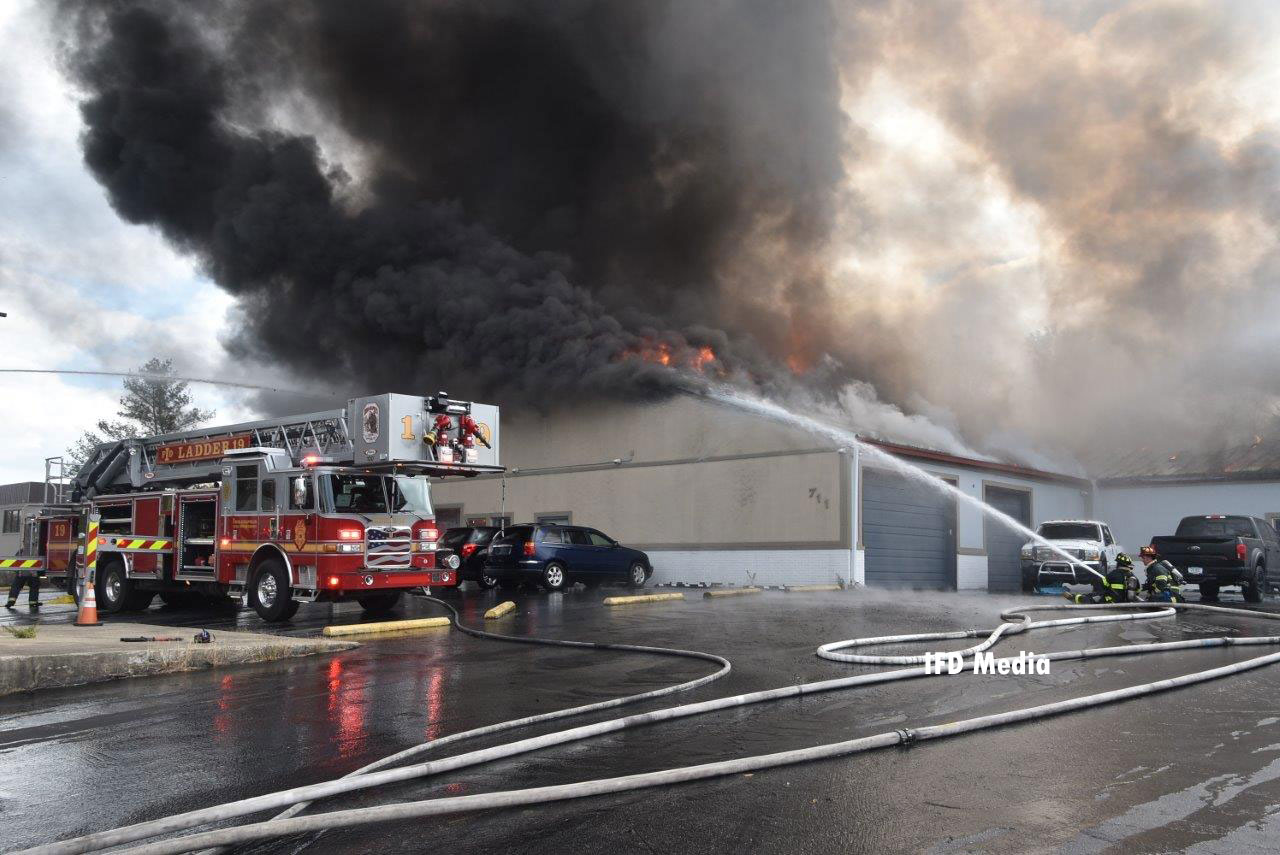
point(556, 556)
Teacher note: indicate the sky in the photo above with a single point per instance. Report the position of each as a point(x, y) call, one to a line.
point(1035, 220)
point(82, 289)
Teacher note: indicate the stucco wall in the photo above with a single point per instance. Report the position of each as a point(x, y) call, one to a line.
point(1138, 513)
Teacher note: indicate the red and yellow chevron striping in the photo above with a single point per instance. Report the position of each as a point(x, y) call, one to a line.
point(128, 543)
point(21, 563)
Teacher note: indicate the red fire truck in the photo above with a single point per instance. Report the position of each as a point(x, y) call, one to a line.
point(320, 507)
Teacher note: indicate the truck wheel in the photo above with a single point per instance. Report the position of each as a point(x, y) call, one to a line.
point(1209, 592)
point(112, 588)
point(637, 575)
point(487, 582)
point(269, 593)
point(1028, 583)
point(378, 603)
point(554, 578)
point(1257, 587)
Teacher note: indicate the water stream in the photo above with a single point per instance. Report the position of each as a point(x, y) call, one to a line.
point(769, 410)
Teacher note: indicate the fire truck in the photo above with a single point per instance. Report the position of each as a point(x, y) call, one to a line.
point(321, 507)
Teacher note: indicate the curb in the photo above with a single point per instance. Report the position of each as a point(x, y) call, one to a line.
point(805, 588)
point(642, 598)
point(27, 673)
point(499, 610)
point(384, 626)
point(731, 592)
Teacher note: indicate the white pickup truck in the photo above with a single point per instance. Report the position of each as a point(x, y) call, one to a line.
point(1089, 541)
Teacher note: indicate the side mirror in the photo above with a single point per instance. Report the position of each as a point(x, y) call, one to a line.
point(301, 491)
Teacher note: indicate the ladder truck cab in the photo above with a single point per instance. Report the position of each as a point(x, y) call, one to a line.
point(327, 506)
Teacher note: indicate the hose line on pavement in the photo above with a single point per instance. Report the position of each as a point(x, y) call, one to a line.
point(1015, 621)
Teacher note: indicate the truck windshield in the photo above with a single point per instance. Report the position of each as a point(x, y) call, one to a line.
point(360, 494)
point(1222, 527)
point(1069, 531)
point(409, 494)
point(379, 494)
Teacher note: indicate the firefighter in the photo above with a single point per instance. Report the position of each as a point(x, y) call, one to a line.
point(1164, 582)
point(30, 578)
point(1119, 585)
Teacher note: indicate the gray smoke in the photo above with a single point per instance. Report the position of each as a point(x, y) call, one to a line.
point(1017, 228)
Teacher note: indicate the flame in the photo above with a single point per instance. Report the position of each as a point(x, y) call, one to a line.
point(798, 363)
point(662, 353)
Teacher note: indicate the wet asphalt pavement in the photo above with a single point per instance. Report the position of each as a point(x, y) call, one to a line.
point(1197, 769)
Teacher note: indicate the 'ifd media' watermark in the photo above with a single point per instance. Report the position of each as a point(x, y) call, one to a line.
point(986, 663)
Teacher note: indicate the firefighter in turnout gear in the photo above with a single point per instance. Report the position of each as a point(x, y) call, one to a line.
point(1119, 586)
point(1164, 581)
point(29, 578)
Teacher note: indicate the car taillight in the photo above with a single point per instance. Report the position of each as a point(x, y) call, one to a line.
point(350, 534)
point(468, 549)
point(1241, 551)
point(529, 547)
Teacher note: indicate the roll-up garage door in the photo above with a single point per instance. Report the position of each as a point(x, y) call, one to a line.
point(908, 532)
point(1004, 572)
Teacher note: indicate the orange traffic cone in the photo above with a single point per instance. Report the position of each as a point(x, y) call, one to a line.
point(88, 615)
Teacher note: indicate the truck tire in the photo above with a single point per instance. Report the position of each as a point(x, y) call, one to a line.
point(1256, 589)
point(1209, 592)
point(112, 588)
point(376, 604)
point(1028, 583)
point(270, 594)
point(486, 582)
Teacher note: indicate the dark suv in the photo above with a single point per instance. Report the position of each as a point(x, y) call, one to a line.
point(556, 556)
point(471, 544)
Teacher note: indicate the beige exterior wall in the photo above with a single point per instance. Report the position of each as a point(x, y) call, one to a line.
point(678, 428)
point(788, 499)
point(691, 475)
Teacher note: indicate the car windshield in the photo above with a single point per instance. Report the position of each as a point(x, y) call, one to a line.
point(520, 532)
point(409, 494)
point(455, 537)
point(1223, 527)
point(1069, 531)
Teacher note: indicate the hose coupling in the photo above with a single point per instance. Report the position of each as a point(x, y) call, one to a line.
point(906, 737)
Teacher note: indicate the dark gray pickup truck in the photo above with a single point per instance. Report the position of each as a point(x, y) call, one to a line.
point(1219, 549)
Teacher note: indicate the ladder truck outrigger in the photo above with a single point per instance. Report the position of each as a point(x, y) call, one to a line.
point(322, 507)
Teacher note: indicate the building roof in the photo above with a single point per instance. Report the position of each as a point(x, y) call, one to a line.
point(915, 453)
point(22, 493)
point(1257, 460)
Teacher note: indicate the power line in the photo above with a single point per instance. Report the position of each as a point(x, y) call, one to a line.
point(151, 376)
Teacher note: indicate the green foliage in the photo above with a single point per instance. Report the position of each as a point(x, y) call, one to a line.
point(21, 631)
point(151, 404)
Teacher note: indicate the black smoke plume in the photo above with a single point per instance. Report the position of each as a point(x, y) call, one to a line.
point(554, 196)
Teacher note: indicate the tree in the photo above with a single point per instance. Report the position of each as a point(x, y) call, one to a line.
point(151, 404)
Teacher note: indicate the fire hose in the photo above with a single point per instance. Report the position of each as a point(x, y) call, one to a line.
point(1016, 621)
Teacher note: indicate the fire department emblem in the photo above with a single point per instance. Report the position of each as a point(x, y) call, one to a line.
point(370, 422)
point(300, 535)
